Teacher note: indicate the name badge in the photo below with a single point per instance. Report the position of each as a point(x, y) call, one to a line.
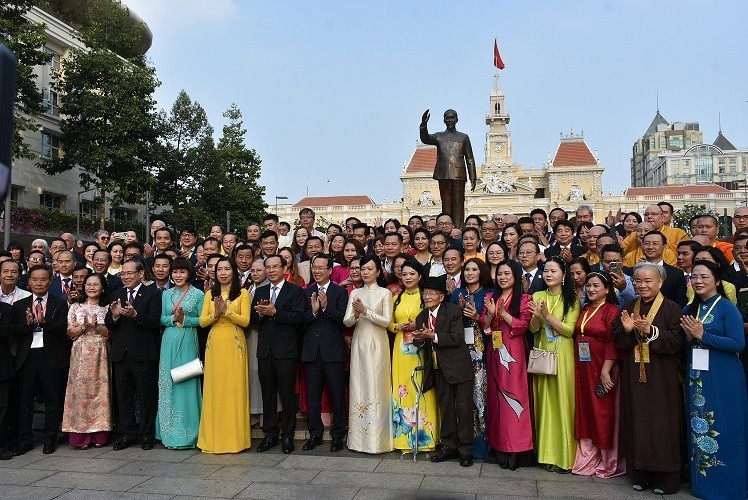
point(700, 359)
point(641, 353)
point(407, 337)
point(497, 339)
point(469, 335)
point(584, 351)
point(550, 335)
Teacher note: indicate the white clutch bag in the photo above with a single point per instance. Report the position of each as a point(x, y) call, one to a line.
point(186, 371)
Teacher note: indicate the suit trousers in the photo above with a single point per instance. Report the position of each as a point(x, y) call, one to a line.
point(278, 376)
point(36, 372)
point(456, 407)
point(452, 193)
point(318, 374)
point(142, 377)
point(4, 413)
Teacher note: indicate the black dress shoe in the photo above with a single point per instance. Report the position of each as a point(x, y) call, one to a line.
point(337, 445)
point(288, 445)
point(147, 443)
point(22, 450)
point(267, 443)
point(64, 438)
point(466, 460)
point(123, 443)
point(311, 443)
point(49, 448)
point(5, 455)
point(440, 456)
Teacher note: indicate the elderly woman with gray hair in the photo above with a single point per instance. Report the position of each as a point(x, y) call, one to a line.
point(649, 338)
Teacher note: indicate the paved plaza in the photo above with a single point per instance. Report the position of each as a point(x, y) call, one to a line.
point(162, 474)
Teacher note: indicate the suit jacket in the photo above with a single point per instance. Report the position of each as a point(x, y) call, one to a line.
point(113, 283)
point(8, 322)
point(537, 282)
point(323, 333)
point(279, 334)
point(56, 342)
point(555, 250)
point(138, 336)
point(55, 289)
point(674, 286)
point(452, 354)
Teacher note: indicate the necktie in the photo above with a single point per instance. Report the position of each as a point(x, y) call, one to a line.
point(274, 295)
point(162, 289)
point(321, 289)
point(432, 322)
point(66, 286)
point(528, 278)
point(131, 299)
point(39, 310)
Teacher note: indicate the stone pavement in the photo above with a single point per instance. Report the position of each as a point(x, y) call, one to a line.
point(162, 474)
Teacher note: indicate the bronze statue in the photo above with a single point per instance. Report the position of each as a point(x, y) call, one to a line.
point(453, 154)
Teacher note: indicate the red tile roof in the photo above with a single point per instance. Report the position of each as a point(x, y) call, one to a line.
point(422, 161)
point(573, 153)
point(326, 201)
point(655, 191)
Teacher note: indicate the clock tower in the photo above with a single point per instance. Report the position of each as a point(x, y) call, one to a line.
point(498, 142)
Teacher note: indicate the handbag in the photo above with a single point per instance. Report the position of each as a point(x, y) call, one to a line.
point(542, 362)
point(189, 369)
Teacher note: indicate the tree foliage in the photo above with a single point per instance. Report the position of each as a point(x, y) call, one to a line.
point(231, 185)
point(26, 39)
point(109, 126)
point(683, 215)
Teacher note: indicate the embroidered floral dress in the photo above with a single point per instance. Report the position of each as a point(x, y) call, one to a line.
point(405, 357)
point(716, 405)
point(87, 412)
point(179, 405)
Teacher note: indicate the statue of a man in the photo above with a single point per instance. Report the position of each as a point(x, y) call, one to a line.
point(453, 154)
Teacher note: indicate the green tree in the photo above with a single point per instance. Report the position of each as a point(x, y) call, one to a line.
point(188, 150)
point(683, 215)
point(110, 125)
point(26, 39)
point(231, 185)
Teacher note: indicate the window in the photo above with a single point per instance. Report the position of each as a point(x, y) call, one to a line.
point(663, 142)
point(50, 146)
point(51, 102)
point(540, 193)
point(676, 142)
point(50, 200)
point(733, 165)
point(89, 209)
point(14, 195)
point(124, 214)
point(54, 62)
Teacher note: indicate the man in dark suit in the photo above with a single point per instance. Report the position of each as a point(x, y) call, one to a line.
point(278, 308)
point(101, 261)
point(440, 327)
point(134, 316)
point(42, 358)
point(324, 352)
point(564, 242)
point(654, 244)
point(63, 282)
point(532, 274)
point(8, 321)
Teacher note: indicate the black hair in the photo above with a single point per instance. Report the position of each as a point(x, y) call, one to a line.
point(104, 297)
point(236, 288)
point(373, 258)
point(268, 234)
point(636, 215)
point(327, 258)
point(565, 223)
point(412, 263)
point(718, 274)
point(43, 267)
point(186, 264)
point(133, 244)
point(610, 294)
point(517, 289)
point(613, 247)
point(473, 216)
point(417, 217)
point(538, 211)
point(582, 225)
point(271, 217)
point(568, 293)
point(662, 236)
point(395, 234)
point(484, 273)
point(717, 255)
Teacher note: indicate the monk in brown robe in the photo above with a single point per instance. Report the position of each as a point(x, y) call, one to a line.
point(649, 337)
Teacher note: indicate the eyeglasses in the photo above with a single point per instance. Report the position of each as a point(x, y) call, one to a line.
point(129, 273)
point(354, 269)
point(527, 253)
point(437, 242)
point(431, 293)
point(443, 224)
point(740, 217)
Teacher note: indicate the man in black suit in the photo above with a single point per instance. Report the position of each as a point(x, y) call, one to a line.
point(278, 308)
point(654, 244)
point(63, 282)
point(101, 261)
point(8, 321)
point(440, 327)
point(324, 352)
point(532, 275)
point(42, 358)
point(134, 316)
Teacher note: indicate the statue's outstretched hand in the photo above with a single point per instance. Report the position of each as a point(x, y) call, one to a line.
point(425, 117)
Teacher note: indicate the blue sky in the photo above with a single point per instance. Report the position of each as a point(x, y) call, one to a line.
point(332, 92)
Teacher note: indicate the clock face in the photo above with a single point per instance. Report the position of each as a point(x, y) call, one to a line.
point(498, 144)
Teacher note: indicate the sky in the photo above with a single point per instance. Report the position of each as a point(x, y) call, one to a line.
point(332, 93)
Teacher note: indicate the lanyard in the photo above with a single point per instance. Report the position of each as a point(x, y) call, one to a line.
point(709, 311)
point(552, 307)
point(586, 319)
point(498, 319)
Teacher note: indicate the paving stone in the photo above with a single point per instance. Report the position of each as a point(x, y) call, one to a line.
point(170, 469)
point(242, 459)
point(91, 481)
point(264, 474)
point(191, 487)
point(22, 461)
point(530, 473)
point(369, 479)
point(110, 495)
point(77, 464)
point(30, 492)
point(66, 450)
point(584, 490)
point(384, 494)
point(613, 480)
point(157, 454)
point(451, 468)
point(359, 464)
point(481, 485)
point(22, 477)
point(271, 491)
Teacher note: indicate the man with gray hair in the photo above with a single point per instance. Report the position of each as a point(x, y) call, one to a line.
point(40, 245)
point(584, 214)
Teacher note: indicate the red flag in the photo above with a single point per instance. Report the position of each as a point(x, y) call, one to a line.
point(496, 57)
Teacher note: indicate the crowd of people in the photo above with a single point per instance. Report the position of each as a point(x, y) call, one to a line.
point(592, 349)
